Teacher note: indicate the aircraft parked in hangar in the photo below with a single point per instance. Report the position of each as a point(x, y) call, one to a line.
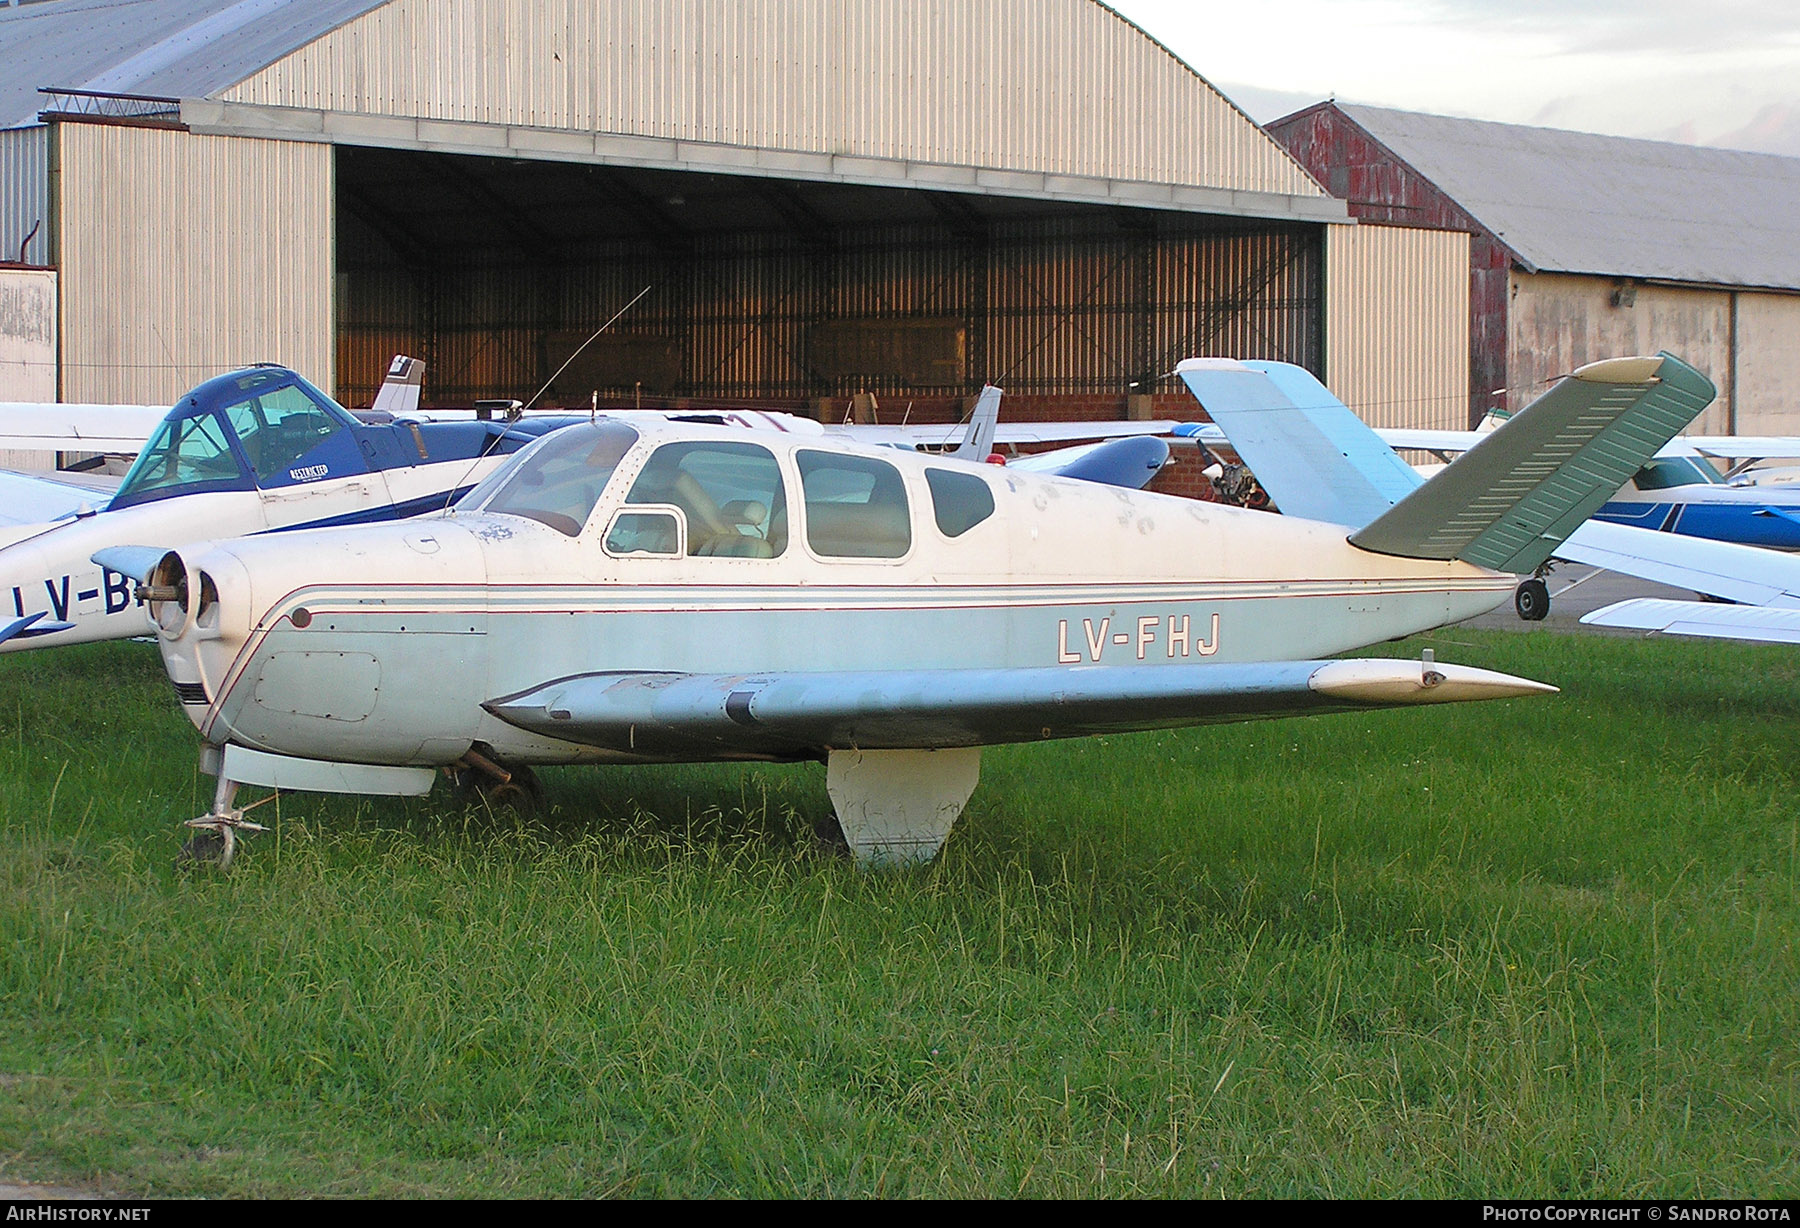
point(261, 450)
point(1623, 536)
point(664, 591)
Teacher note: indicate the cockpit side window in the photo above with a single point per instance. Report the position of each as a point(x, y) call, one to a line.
point(855, 506)
point(557, 480)
point(731, 495)
point(194, 450)
point(277, 428)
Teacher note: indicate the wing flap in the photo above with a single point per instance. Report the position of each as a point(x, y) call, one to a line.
point(804, 714)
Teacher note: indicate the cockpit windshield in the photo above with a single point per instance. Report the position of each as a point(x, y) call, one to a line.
point(187, 451)
point(558, 480)
point(233, 433)
point(1666, 471)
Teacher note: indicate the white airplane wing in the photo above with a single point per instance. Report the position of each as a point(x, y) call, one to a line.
point(949, 434)
point(1731, 622)
point(1747, 574)
point(677, 714)
point(58, 426)
point(1745, 447)
point(30, 499)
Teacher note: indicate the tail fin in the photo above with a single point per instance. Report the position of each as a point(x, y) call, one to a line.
point(1512, 498)
point(399, 393)
point(1506, 504)
point(978, 442)
point(1316, 459)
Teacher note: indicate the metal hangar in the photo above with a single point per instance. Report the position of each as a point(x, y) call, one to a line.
point(825, 197)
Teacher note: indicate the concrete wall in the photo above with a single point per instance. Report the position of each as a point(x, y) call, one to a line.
point(27, 348)
point(1560, 321)
point(1397, 324)
point(183, 256)
point(1768, 364)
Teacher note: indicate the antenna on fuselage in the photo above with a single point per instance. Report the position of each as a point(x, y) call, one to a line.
point(594, 402)
point(584, 345)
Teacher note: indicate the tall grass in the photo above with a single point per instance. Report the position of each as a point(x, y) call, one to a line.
point(1527, 949)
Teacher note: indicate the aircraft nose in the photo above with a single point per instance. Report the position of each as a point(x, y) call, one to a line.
point(168, 594)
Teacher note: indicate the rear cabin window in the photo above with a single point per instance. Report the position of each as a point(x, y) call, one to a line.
point(960, 501)
point(731, 495)
point(855, 507)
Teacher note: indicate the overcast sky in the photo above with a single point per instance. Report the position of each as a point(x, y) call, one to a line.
point(1719, 73)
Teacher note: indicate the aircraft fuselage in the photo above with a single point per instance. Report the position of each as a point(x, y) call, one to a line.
point(380, 644)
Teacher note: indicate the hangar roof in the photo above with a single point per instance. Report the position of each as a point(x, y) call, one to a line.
point(170, 48)
point(1052, 99)
point(1574, 202)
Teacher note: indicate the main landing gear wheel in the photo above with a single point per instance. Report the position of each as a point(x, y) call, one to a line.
point(524, 792)
point(1532, 600)
point(498, 786)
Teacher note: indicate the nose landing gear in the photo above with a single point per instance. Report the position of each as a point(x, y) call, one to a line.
point(216, 839)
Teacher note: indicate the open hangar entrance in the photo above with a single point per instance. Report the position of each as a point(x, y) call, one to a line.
point(790, 294)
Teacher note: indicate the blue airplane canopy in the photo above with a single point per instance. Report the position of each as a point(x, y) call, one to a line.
point(266, 427)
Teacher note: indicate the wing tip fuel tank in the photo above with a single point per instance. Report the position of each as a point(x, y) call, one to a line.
point(1422, 682)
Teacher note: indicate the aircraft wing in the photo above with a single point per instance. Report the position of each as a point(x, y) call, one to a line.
point(799, 714)
point(35, 499)
point(56, 426)
point(1730, 622)
point(948, 435)
point(1747, 574)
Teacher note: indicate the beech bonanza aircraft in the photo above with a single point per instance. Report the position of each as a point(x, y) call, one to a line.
point(663, 591)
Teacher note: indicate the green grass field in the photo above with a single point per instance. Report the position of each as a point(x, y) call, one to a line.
point(1542, 948)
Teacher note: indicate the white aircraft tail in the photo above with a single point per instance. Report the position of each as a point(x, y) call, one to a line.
point(978, 442)
point(401, 389)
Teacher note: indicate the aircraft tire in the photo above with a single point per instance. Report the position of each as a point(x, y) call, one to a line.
point(206, 848)
point(1532, 600)
point(828, 838)
point(524, 793)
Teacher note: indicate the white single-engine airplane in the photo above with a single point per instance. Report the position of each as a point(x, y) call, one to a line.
point(662, 592)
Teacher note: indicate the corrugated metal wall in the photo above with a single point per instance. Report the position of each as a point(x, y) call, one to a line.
point(1046, 306)
point(1381, 188)
point(25, 193)
point(1042, 85)
point(1397, 324)
point(183, 256)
